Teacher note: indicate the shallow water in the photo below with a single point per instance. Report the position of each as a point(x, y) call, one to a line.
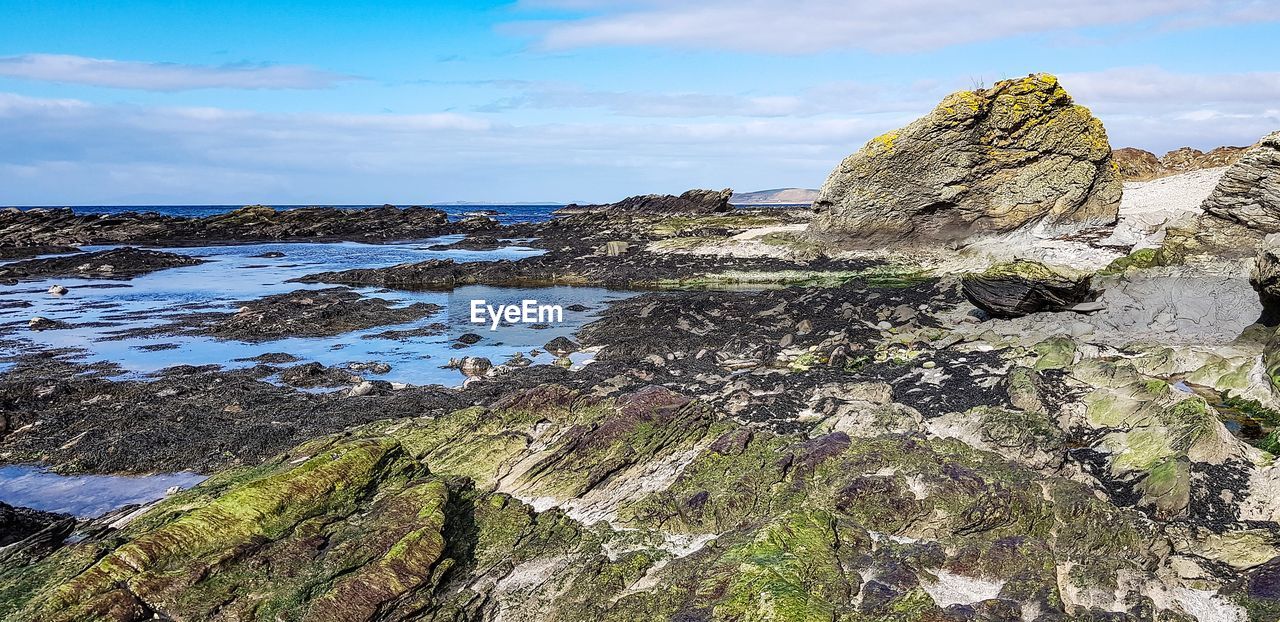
point(85, 496)
point(101, 309)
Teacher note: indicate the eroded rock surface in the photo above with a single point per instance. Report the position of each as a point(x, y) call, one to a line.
point(1016, 155)
point(1023, 287)
point(552, 504)
point(1249, 192)
point(1141, 165)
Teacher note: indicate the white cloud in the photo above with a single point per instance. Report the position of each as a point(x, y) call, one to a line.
point(843, 98)
point(163, 76)
point(1154, 85)
point(60, 151)
point(1157, 109)
point(76, 152)
point(805, 26)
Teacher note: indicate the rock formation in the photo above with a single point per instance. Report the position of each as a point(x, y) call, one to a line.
point(35, 231)
point(1136, 164)
point(1141, 165)
point(1022, 287)
point(987, 161)
point(1249, 192)
point(690, 202)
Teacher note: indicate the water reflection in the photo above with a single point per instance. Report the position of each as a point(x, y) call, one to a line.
point(85, 496)
point(101, 310)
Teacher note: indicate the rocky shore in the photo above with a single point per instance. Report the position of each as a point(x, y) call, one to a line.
point(1048, 399)
point(46, 228)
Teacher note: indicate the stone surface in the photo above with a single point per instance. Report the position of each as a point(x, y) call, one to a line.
point(690, 202)
point(1266, 276)
point(1023, 287)
point(1136, 164)
point(993, 160)
point(1141, 165)
point(117, 263)
point(1249, 192)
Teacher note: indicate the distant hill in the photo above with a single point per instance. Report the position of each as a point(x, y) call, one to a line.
point(776, 196)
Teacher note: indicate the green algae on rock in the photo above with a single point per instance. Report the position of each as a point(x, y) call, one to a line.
point(557, 505)
point(1018, 154)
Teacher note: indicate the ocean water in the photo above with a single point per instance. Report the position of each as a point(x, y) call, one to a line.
point(505, 214)
point(102, 312)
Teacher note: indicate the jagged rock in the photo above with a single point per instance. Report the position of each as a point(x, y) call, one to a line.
point(551, 505)
point(561, 346)
point(17, 524)
point(51, 228)
point(1141, 165)
point(310, 313)
point(993, 160)
point(1187, 159)
point(1136, 164)
point(1249, 192)
point(117, 263)
point(475, 366)
point(1023, 287)
point(691, 202)
point(44, 323)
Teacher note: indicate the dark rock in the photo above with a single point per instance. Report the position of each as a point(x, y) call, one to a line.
point(1023, 287)
point(691, 202)
point(44, 323)
point(561, 346)
point(308, 313)
point(119, 263)
point(63, 227)
point(309, 375)
point(17, 524)
point(1263, 582)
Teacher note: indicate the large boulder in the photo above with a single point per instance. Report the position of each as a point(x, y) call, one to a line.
point(992, 160)
point(1249, 192)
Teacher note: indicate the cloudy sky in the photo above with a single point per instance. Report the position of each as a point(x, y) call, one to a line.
point(248, 101)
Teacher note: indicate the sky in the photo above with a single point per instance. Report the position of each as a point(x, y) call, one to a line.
point(141, 102)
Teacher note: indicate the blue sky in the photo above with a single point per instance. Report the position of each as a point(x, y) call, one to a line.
point(133, 102)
